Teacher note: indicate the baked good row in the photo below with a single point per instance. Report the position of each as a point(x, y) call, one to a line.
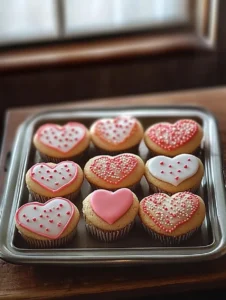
point(110, 216)
point(56, 143)
point(181, 173)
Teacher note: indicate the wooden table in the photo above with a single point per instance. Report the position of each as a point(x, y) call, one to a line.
point(46, 282)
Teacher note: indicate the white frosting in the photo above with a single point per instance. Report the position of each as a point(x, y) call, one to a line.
point(62, 138)
point(54, 178)
point(53, 216)
point(115, 130)
point(159, 167)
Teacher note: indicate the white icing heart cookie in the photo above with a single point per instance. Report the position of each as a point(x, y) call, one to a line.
point(47, 180)
point(177, 216)
point(47, 225)
point(121, 133)
point(60, 142)
point(171, 175)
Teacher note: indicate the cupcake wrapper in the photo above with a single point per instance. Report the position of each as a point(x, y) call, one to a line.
point(170, 240)
point(197, 152)
point(131, 187)
point(43, 199)
point(33, 243)
point(100, 151)
point(109, 236)
point(156, 189)
point(56, 160)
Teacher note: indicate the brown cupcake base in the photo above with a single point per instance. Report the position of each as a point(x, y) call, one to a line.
point(109, 236)
point(170, 240)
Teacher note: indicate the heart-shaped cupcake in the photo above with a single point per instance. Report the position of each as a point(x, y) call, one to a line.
point(172, 136)
point(54, 177)
point(168, 213)
point(116, 130)
point(48, 220)
point(115, 169)
point(173, 170)
point(111, 206)
point(61, 138)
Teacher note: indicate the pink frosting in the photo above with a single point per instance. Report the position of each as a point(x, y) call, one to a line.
point(54, 178)
point(111, 206)
point(61, 138)
point(49, 220)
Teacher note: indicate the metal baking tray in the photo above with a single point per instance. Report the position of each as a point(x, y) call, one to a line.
point(209, 243)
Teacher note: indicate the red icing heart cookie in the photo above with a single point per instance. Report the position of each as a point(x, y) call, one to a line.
point(114, 169)
point(172, 136)
point(54, 178)
point(61, 138)
point(115, 131)
point(49, 220)
point(111, 206)
point(170, 212)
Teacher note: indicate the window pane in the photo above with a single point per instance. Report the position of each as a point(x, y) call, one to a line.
point(25, 20)
point(98, 16)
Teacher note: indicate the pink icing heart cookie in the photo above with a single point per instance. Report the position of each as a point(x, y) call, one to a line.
point(121, 133)
point(114, 172)
point(49, 180)
point(49, 224)
point(177, 215)
point(110, 206)
point(64, 141)
point(184, 136)
point(182, 173)
point(110, 215)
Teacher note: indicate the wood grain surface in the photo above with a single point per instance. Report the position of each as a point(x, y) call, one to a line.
point(46, 282)
point(97, 51)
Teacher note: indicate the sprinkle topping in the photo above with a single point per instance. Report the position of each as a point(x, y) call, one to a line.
point(53, 180)
point(61, 138)
point(116, 131)
point(167, 212)
point(46, 221)
point(114, 169)
point(172, 136)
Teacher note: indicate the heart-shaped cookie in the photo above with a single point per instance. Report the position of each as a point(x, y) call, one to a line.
point(172, 136)
point(170, 212)
point(49, 220)
point(54, 178)
point(111, 206)
point(61, 138)
point(173, 170)
point(117, 130)
point(114, 169)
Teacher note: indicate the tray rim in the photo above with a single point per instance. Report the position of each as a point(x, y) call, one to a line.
point(14, 255)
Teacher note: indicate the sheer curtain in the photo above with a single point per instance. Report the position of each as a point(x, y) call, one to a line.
point(90, 16)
